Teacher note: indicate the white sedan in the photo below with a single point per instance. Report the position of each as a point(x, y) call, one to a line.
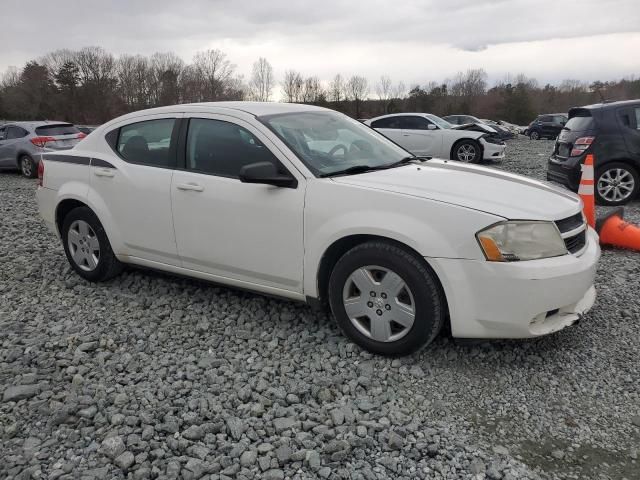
point(425, 134)
point(305, 203)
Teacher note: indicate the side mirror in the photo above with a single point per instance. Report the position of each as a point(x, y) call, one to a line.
point(431, 126)
point(266, 173)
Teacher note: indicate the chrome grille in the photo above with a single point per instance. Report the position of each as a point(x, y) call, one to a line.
point(574, 233)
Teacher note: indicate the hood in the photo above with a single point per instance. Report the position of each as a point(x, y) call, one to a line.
point(478, 127)
point(499, 193)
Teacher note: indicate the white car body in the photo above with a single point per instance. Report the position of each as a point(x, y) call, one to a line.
point(437, 142)
point(273, 240)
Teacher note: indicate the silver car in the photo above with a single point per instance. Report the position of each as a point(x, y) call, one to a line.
point(22, 143)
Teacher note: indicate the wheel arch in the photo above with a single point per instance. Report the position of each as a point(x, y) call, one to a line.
point(341, 246)
point(466, 139)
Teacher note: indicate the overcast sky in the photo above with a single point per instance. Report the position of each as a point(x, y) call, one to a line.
point(410, 40)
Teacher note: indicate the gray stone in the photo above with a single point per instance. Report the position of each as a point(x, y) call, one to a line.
point(112, 447)
point(248, 458)
point(124, 460)
point(20, 392)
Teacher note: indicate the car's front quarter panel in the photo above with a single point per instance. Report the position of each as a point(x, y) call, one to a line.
point(334, 211)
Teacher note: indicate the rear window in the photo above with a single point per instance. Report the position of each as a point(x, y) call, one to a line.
point(55, 130)
point(582, 121)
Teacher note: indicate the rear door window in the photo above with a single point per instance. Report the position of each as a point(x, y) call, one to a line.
point(389, 122)
point(545, 118)
point(56, 130)
point(148, 143)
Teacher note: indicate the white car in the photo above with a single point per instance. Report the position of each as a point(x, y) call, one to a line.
point(305, 203)
point(425, 134)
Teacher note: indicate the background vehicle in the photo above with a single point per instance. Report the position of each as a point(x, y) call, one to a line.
point(22, 143)
point(86, 128)
point(427, 134)
point(611, 131)
point(503, 132)
point(546, 126)
point(305, 203)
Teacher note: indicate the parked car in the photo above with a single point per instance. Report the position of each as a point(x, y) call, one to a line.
point(611, 132)
point(22, 143)
point(546, 126)
point(305, 203)
point(462, 119)
point(503, 132)
point(427, 134)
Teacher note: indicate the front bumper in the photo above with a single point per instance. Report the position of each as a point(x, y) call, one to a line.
point(492, 151)
point(518, 299)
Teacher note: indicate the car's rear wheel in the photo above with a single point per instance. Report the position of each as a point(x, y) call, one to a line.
point(28, 167)
point(467, 151)
point(616, 184)
point(534, 135)
point(386, 299)
point(87, 246)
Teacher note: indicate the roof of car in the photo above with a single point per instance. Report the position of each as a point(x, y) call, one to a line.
point(253, 108)
point(619, 103)
point(34, 124)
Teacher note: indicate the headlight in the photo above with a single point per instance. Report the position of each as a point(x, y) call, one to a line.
point(521, 240)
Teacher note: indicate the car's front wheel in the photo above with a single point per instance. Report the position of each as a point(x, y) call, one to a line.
point(386, 299)
point(616, 184)
point(467, 151)
point(87, 246)
point(28, 167)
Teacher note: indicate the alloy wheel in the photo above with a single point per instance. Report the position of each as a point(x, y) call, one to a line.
point(616, 185)
point(379, 303)
point(84, 245)
point(466, 153)
point(26, 166)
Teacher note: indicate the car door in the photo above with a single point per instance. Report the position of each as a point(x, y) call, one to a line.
point(3, 141)
point(420, 136)
point(389, 127)
point(133, 185)
point(241, 233)
point(8, 146)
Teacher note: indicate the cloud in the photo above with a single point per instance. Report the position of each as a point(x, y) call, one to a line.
point(410, 39)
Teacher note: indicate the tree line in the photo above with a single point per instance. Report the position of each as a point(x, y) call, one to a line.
point(91, 86)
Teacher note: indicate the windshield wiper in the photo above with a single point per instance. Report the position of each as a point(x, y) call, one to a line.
point(405, 160)
point(351, 170)
point(368, 168)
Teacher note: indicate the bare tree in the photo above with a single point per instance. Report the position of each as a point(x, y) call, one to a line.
point(383, 88)
point(312, 92)
point(357, 90)
point(292, 86)
point(261, 83)
point(215, 72)
point(399, 91)
point(337, 89)
point(165, 71)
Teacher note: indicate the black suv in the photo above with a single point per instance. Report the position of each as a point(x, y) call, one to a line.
point(546, 126)
point(611, 131)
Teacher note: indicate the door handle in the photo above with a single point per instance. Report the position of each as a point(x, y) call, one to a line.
point(190, 186)
point(104, 172)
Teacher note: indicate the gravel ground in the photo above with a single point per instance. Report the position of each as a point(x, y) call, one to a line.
point(151, 376)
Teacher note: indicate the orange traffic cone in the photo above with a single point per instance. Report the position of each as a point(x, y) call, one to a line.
point(614, 231)
point(586, 191)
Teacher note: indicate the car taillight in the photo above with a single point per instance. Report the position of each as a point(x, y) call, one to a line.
point(41, 173)
point(580, 145)
point(42, 141)
point(81, 135)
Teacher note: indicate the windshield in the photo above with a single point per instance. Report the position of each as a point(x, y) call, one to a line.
point(329, 142)
point(441, 122)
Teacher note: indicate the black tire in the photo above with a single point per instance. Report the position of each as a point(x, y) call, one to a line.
point(108, 266)
point(28, 168)
point(457, 153)
point(535, 135)
point(428, 303)
point(631, 173)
